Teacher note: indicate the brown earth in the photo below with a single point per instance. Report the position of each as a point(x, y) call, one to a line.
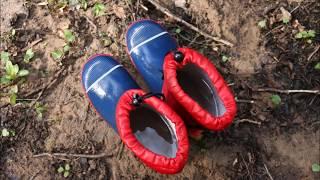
point(283, 141)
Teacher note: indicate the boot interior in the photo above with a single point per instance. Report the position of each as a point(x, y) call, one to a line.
point(154, 131)
point(197, 84)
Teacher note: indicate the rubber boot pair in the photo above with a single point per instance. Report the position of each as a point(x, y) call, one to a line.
point(187, 91)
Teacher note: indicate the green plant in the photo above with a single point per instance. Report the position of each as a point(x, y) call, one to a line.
point(68, 36)
point(178, 31)
point(276, 99)
point(317, 66)
point(6, 133)
point(84, 4)
point(13, 95)
point(64, 170)
point(315, 167)
point(4, 56)
point(262, 24)
point(28, 56)
point(98, 9)
point(39, 109)
point(225, 58)
point(57, 54)
point(12, 73)
point(306, 35)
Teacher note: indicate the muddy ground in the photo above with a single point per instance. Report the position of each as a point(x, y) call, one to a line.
point(268, 139)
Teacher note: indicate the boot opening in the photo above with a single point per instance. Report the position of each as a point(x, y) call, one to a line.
point(196, 83)
point(154, 131)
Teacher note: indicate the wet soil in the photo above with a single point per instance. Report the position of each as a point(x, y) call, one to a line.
point(282, 141)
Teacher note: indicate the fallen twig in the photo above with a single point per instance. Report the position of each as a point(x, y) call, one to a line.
point(287, 91)
point(90, 156)
point(247, 120)
point(245, 101)
point(314, 52)
point(32, 44)
point(265, 166)
point(170, 14)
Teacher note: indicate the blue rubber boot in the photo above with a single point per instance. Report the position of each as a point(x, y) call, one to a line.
point(144, 122)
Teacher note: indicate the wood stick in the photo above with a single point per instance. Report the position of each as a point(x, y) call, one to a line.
point(287, 91)
point(247, 120)
point(265, 166)
point(170, 14)
point(90, 156)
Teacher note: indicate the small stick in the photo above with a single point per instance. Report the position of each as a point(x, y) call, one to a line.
point(90, 156)
point(248, 120)
point(287, 91)
point(245, 101)
point(265, 166)
point(314, 52)
point(32, 44)
point(168, 13)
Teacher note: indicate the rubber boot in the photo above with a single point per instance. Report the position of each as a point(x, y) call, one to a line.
point(144, 122)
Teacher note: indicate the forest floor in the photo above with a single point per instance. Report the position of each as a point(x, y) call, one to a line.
point(275, 135)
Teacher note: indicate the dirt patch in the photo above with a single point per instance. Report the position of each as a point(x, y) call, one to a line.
point(236, 22)
point(10, 15)
point(284, 140)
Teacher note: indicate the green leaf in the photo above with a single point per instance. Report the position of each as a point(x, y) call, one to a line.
point(5, 132)
point(60, 169)
point(57, 54)
point(66, 48)
point(68, 35)
point(84, 4)
point(315, 167)
point(66, 174)
point(28, 56)
point(15, 69)
point(276, 99)
point(98, 9)
point(4, 80)
point(178, 30)
point(23, 72)
point(311, 33)
point(309, 41)
point(13, 99)
point(285, 20)
point(317, 66)
point(5, 56)
point(262, 24)
point(12, 132)
point(13, 32)
point(67, 167)
point(298, 35)
point(225, 58)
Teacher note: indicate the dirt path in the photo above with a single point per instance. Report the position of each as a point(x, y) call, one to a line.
point(282, 143)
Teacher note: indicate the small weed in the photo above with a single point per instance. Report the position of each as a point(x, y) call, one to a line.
point(13, 95)
point(315, 168)
point(68, 36)
point(317, 66)
point(98, 9)
point(225, 58)
point(64, 170)
point(57, 54)
point(178, 30)
point(39, 109)
point(306, 35)
point(6, 133)
point(262, 24)
point(28, 56)
point(5, 56)
point(12, 73)
point(276, 99)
